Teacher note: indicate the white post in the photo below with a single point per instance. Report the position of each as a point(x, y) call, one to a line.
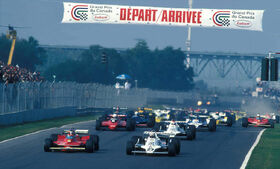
point(188, 42)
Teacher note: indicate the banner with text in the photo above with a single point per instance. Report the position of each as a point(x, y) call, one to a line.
point(115, 14)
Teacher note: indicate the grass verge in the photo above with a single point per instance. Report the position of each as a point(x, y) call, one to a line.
point(267, 152)
point(22, 129)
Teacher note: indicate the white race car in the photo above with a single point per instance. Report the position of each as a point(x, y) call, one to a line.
point(153, 144)
point(202, 121)
point(272, 116)
point(176, 129)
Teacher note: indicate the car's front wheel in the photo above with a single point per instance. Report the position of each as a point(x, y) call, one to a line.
point(47, 145)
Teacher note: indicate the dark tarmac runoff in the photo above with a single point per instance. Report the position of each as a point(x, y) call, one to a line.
point(224, 149)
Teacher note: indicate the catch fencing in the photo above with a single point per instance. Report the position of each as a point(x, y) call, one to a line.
point(29, 96)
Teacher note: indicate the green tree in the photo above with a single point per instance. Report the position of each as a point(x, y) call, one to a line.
point(90, 68)
point(27, 53)
point(156, 69)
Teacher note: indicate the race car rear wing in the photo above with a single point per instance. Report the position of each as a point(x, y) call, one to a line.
point(78, 131)
point(158, 134)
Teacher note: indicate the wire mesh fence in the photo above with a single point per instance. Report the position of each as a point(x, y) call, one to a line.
point(28, 96)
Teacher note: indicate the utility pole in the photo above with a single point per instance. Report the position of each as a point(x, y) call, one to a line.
point(188, 42)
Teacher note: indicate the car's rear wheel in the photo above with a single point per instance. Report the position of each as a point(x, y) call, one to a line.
point(271, 123)
point(129, 147)
point(130, 125)
point(191, 132)
point(134, 139)
point(244, 122)
point(89, 146)
point(95, 139)
point(171, 149)
point(212, 125)
point(48, 144)
point(97, 125)
point(151, 121)
point(54, 137)
point(177, 145)
point(229, 121)
point(277, 119)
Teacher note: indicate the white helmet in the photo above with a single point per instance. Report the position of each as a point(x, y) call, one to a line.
point(152, 134)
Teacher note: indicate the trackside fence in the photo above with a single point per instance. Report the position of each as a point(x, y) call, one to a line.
point(29, 96)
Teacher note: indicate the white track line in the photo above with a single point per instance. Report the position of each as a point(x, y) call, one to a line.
point(245, 162)
point(36, 132)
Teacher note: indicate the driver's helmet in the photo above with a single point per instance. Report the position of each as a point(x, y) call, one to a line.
point(258, 115)
point(172, 122)
point(114, 116)
point(72, 132)
point(152, 135)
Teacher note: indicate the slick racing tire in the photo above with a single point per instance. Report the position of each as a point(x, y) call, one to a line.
point(212, 125)
point(134, 139)
point(48, 144)
point(172, 149)
point(130, 114)
point(271, 123)
point(151, 121)
point(130, 124)
point(129, 147)
point(177, 145)
point(98, 125)
point(191, 132)
point(159, 127)
point(229, 121)
point(90, 146)
point(95, 139)
point(244, 122)
point(277, 119)
point(54, 137)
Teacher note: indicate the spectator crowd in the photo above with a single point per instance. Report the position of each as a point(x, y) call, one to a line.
point(15, 74)
point(264, 90)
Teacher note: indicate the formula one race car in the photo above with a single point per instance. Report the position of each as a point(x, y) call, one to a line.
point(223, 118)
point(272, 116)
point(238, 114)
point(176, 129)
point(144, 119)
point(114, 121)
point(257, 122)
point(163, 115)
point(153, 144)
point(71, 140)
point(201, 121)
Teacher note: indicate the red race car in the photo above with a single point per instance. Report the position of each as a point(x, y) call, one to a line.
point(257, 121)
point(115, 121)
point(71, 140)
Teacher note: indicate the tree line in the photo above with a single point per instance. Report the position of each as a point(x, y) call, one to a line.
point(162, 69)
point(156, 69)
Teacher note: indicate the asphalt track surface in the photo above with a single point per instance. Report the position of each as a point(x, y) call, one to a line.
point(224, 149)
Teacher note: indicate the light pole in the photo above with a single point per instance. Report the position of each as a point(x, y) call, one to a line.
point(188, 42)
point(136, 84)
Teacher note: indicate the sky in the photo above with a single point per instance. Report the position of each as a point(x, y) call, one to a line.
point(43, 19)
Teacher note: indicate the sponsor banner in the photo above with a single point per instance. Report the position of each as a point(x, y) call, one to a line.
point(115, 14)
